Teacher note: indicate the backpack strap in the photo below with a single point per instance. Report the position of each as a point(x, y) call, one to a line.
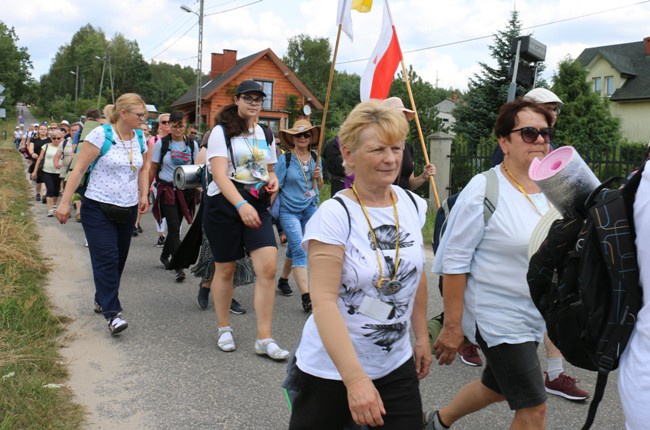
point(340, 200)
point(140, 136)
point(410, 194)
point(491, 194)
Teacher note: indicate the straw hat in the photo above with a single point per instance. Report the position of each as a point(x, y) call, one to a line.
point(541, 230)
point(300, 126)
point(396, 102)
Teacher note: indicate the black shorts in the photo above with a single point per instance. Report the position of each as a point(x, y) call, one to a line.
point(513, 370)
point(229, 238)
point(323, 403)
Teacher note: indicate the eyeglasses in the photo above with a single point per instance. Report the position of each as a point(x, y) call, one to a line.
point(177, 127)
point(306, 135)
point(192, 132)
point(164, 122)
point(252, 100)
point(56, 138)
point(139, 115)
point(530, 134)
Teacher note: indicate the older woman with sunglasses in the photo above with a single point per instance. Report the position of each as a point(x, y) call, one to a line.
point(300, 178)
point(486, 295)
point(116, 190)
point(163, 130)
point(355, 360)
point(50, 173)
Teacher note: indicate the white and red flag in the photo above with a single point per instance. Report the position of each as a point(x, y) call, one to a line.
point(344, 16)
point(378, 76)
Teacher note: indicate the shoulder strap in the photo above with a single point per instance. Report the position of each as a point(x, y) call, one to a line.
point(410, 194)
point(140, 135)
point(229, 146)
point(314, 156)
point(268, 134)
point(108, 140)
point(164, 148)
point(340, 200)
point(287, 159)
point(491, 194)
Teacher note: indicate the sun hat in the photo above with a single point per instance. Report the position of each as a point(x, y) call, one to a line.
point(64, 122)
point(249, 87)
point(541, 230)
point(300, 126)
point(396, 102)
point(542, 95)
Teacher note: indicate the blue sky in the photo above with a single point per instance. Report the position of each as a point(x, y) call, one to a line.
point(164, 32)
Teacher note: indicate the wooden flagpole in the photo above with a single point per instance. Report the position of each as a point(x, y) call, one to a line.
point(432, 181)
point(417, 118)
point(321, 137)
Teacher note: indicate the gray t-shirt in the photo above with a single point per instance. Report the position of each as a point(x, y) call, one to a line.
point(168, 167)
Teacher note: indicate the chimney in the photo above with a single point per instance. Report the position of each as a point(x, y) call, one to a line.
point(221, 63)
point(647, 45)
point(454, 96)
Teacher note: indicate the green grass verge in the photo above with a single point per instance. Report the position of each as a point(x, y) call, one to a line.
point(29, 331)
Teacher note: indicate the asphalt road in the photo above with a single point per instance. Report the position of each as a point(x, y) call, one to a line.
point(167, 372)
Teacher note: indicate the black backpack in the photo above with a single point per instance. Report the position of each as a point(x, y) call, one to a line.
point(164, 149)
point(584, 279)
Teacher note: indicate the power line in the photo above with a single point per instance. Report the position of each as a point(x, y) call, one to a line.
point(175, 41)
point(235, 8)
point(492, 35)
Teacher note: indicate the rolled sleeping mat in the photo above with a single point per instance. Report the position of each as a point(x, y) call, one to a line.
point(564, 178)
point(188, 176)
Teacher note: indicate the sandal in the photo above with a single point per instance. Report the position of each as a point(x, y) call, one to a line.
point(225, 341)
point(270, 347)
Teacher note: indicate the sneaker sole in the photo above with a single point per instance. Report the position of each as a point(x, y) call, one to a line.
point(265, 354)
point(237, 312)
point(469, 363)
point(119, 329)
point(200, 306)
point(565, 395)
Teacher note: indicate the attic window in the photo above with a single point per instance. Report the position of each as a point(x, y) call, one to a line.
point(598, 85)
point(609, 85)
point(267, 87)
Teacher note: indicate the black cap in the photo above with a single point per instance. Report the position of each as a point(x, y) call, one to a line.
point(249, 87)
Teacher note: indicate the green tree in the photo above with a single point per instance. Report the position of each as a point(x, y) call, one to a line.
point(15, 65)
point(585, 122)
point(488, 90)
point(310, 59)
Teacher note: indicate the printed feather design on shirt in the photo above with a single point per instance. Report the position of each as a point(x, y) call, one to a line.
point(406, 275)
point(352, 297)
point(386, 235)
point(385, 335)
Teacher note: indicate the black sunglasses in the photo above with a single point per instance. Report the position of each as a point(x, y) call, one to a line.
point(530, 134)
point(164, 122)
point(306, 135)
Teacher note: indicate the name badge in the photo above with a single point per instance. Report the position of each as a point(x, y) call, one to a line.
point(310, 194)
point(375, 309)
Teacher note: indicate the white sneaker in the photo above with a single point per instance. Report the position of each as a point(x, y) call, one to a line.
point(270, 347)
point(117, 325)
point(225, 341)
point(50, 213)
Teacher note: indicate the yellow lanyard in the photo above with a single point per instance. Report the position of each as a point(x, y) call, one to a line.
point(520, 188)
point(129, 152)
point(304, 175)
point(374, 238)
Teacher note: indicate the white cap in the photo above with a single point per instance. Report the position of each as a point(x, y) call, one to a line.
point(542, 95)
point(35, 124)
point(64, 122)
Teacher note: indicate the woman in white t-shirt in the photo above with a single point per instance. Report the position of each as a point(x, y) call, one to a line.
point(50, 173)
point(486, 295)
point(236, 220)
point(116, 190)
point(366, 259)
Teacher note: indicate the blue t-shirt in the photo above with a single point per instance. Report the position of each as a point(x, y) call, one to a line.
point(295, 182)
point(168, 167)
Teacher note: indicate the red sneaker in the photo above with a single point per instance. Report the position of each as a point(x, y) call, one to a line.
point(565, 386)
point(469, 355)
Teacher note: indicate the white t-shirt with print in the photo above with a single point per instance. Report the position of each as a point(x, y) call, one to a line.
point(381, 346)
point(112, 180)
point(243, 150)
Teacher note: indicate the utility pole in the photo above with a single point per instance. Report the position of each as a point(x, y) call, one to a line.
point(101, 81)
point(197, 112)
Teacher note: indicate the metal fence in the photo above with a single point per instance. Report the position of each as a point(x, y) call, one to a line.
point(618, 161)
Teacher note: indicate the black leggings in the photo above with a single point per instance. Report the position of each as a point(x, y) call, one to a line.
point(174, 216)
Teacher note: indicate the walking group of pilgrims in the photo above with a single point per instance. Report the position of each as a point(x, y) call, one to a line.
point(357, 258)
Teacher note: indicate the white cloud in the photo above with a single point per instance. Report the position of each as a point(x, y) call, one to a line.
point(45, 25)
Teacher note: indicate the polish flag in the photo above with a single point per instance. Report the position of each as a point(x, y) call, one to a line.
point(378, 76)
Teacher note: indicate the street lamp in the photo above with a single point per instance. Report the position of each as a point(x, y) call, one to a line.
point(200, 54)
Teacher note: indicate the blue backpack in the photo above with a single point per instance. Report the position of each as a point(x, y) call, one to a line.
point(108, 141)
